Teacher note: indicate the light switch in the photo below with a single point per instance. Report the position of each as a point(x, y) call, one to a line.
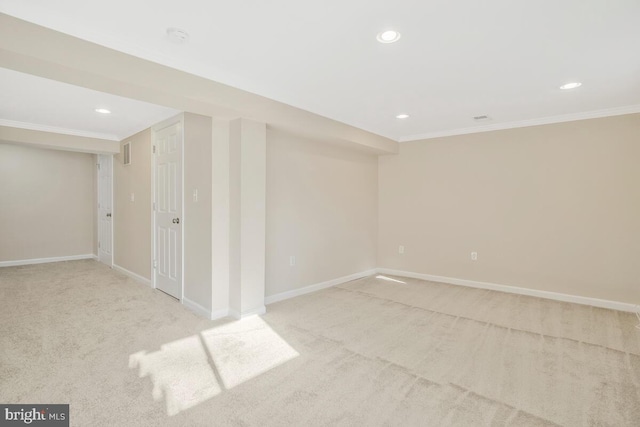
point(133, 197)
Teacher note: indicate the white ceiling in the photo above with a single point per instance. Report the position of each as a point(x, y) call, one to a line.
point(455, 60)
point(35, 103)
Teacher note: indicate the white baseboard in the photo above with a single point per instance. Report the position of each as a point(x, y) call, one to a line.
point(256, 311)
point(45, 260)
point(196, 308)
point(595, 302)
point(316, 287)
point(205, 312)
point(219, 314)
point(134, 276)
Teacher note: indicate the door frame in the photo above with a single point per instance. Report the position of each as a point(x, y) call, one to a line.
point(155, 128)
point(99, 190)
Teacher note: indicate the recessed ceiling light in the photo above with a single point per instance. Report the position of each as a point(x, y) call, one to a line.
point(572, 85)
point(177, 35)
point(102, 111)
point(402, 116)
point(388, 36)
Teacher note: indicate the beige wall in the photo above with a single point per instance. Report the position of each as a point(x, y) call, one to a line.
point(247, 185)
point(197, 215)
point(321, 208)
point(553, 207)
point(220, 217)
point(46, 203)
point(132, 220)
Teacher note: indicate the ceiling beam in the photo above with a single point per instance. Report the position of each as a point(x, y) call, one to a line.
point(30, 48)
point(58, 141)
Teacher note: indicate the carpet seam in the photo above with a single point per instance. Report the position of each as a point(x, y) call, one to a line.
point(483, 321)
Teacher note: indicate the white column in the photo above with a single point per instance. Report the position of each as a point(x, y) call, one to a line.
point(247, 218)
point(220, 217)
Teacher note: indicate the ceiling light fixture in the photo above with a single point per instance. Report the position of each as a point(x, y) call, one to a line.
point(388, 36)
point(177, 35)
point(402, 116)
point(102, 111)
point(572, 85)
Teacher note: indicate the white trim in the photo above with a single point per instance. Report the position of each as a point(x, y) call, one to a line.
point(45, 260)
point(619, 111)
point(200, 310)
point(316, 287)
point(134, 276)
point(178, 118)
point(196, 308)
point(254, 312)
point(99, 158)
point(154, 261)
point(219, 314)
point(595, 302)
point(55, 129)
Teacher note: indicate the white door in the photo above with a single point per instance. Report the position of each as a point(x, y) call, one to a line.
point(168, 213)
point(105, 201)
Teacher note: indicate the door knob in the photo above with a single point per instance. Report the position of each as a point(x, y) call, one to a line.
point(176, 220)
point(108, 215)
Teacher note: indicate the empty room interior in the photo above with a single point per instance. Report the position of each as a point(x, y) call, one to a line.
point(326, 213)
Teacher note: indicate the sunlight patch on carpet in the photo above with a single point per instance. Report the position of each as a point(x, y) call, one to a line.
point(180, 372)
point(244, 349)
point(389, 279)
point(191, 370)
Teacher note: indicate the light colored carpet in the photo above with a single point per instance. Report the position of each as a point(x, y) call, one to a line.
point(366, 353)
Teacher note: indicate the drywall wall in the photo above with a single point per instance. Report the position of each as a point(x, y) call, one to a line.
point(321, 208)
point(47, 203)
point(220, 218)
point(247, 177)
point(554, 207)
point(197, 212)
point(132, 218)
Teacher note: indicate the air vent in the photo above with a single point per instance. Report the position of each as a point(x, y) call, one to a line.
point(127, 153)
point(481, 118)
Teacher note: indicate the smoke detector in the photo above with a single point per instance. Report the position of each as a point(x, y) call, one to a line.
point(177, 35)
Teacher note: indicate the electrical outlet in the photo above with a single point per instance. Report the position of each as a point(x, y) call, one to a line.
point(133, 197)
point(195, 195)
point(474, 256)
point(400, 249)
point(292, 260)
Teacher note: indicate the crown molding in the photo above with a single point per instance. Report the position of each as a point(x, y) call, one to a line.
point(54, 129)
point(618, 111)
